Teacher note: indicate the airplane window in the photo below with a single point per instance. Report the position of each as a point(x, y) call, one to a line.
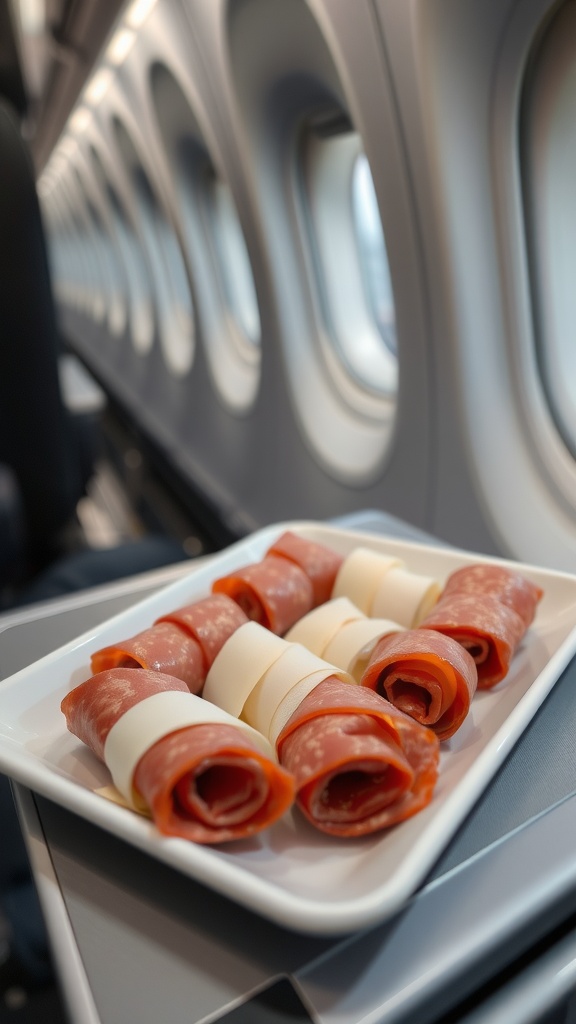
point(236, 272)
point(113, 271)
point(57, 245)
point(174, 301)
point(141, 305)
point(94, 279)
point(351, 260)
point(72, 265)
point(214, 242)
point(72, 269)
point(549, 151)
point(372, 251)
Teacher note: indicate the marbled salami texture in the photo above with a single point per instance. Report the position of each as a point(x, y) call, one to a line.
point(425, 674)
point(274, 592)
point(360, 765)
point(319, 562)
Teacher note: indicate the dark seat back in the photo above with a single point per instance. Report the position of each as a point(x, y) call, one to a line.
point(36, 436)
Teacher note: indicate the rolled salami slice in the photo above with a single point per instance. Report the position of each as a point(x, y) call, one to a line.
point(319, 562)
point(161, 648)
point(489, 630)
point(360, 765)
point(209, 622)
point(425, 674)
point(274, 592)
point(510, 587)
point(198, 772)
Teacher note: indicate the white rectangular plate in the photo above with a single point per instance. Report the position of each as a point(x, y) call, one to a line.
point(292, 874)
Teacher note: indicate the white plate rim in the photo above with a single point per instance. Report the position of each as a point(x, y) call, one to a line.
point(233, 874)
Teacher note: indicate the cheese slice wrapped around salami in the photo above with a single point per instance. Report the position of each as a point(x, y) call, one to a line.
point(361, 574)
point(425, 674)
point(381, 587)
point(198, 772)
point(360, 765)
point(260, 678)
point(341, 634)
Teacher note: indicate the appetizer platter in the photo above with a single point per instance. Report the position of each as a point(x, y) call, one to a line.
point(318, 853)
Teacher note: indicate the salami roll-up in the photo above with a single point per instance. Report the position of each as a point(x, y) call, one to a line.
point(260, 678)
point(275, 592)
point(319, 562)
point(199, 773)
point(425, 674)
point(209, 622)
point(489, 630)
point(162, 648)
point(360, 765)
point(510, 587)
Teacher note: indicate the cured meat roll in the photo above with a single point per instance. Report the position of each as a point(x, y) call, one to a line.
point(209, 622)
point(489, 630)
point(261, 678)
point(199, 773)
point(162, 648)
point(319, 562)
point(274, 592)
point(510, 587)
point(425, 674)
point(360, 765)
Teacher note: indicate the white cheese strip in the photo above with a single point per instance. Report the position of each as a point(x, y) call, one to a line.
point(316, 629)
point(153, 718)
point(295, 664)
point(353, 644)
point(405, 597)
point(292, 700)
point(239, 666)
point(360, 575)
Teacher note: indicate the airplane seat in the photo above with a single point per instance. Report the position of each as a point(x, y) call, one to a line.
point(39, 441)
point(47, 452)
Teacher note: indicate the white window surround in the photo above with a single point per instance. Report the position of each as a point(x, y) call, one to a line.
point(522, 472)
point(234, 261)
point(173, 297)
point(94, 284)
point(282, 75)
point(112, 267)
point(141, 307)
point(233, 358)
point(334, 193)
point(348, 427)
point(550, 203)
point(214, 244)
point(544, 473)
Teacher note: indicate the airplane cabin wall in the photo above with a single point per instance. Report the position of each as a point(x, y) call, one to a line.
point(220, 118)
